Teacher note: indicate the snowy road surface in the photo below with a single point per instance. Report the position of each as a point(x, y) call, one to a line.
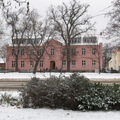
point(11, 113)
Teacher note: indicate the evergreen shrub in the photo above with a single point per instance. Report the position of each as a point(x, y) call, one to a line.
point(74, 92)
point(54, 92)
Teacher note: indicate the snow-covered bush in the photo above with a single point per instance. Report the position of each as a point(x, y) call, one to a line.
point(74, 92)
point(100, 97)
point(54, 92)
point(7, 99)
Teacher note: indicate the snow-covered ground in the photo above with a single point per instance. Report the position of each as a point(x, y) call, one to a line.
point(12, 113)
point(14, 94)
point(15, 75)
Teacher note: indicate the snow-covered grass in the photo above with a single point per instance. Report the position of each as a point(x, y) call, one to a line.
point(12, 113)
point(14, 94)
point(15, 75)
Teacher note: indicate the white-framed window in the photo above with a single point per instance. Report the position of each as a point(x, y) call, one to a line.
point(22, 52)
point(52, 51)
point(13, 52)
point(73, 63)
point(83, 63)
point(93, 51)
point(64, 63)
point(83, 51)
point(41, 63)
point(31, 64)
point(13, 64)
point(93, 63)
point(22, 64)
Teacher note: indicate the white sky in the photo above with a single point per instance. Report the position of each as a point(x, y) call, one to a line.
point(96, 7)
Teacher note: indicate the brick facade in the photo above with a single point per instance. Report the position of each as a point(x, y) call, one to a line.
point(83, 58)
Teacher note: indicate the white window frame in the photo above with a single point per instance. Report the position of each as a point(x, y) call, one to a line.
point(22, 64)
point(73, 63)
point(83, 63)
point(83, 51)
point(41, 64)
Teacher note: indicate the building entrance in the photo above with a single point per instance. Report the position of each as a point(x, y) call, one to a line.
point(52, 65)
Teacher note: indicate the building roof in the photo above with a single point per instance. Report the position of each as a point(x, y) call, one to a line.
point(2, 60)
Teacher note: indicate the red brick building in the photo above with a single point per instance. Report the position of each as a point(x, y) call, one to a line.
point(2, 64)
point(86, 55)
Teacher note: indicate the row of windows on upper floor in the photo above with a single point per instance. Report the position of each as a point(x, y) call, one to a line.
point(63, 63)
point(83, 52)
point(73, 51)
point(92, 39)
point(89, 39)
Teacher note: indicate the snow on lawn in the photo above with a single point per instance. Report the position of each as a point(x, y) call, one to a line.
point(12, 113)
point(14, 94)
point(15, 75)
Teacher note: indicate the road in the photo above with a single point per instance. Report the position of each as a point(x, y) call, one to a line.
point(13, 84)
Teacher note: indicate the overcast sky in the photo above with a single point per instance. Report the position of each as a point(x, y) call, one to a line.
point(96, 7)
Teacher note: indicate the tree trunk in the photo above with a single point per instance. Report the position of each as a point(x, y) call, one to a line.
point(68, 58)
point(16, 63)
point(99, 59)
point(36, 65)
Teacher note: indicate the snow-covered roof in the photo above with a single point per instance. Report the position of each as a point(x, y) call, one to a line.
point(2, 60)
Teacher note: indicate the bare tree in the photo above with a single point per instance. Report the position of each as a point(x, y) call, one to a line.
point(39, 32)
point(112, 30)
point(7, 3)
point(70, 21)
point(107, 50)
point(2, 52)
point(18, 24)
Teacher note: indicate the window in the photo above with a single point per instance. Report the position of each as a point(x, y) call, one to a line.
point(73, 51)
point(31, 64)
point(52, 51)
point(93, 51)
point(84, 40)
point(83, 51)
point(22, 63)
point(79, 40)
point(93, 63)
point(83, 63)
point(63, 51)
point(41, 63)
point(63, 63)
point(13, 52)
point(76, 40)
point(73, 63)
point(13, 64)
point(22, 52)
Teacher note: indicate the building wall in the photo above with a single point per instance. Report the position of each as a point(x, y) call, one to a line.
point(58, 58)
point(118, 58)
point(115, 61)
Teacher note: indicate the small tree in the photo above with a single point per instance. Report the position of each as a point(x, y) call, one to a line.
point(70, 21)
